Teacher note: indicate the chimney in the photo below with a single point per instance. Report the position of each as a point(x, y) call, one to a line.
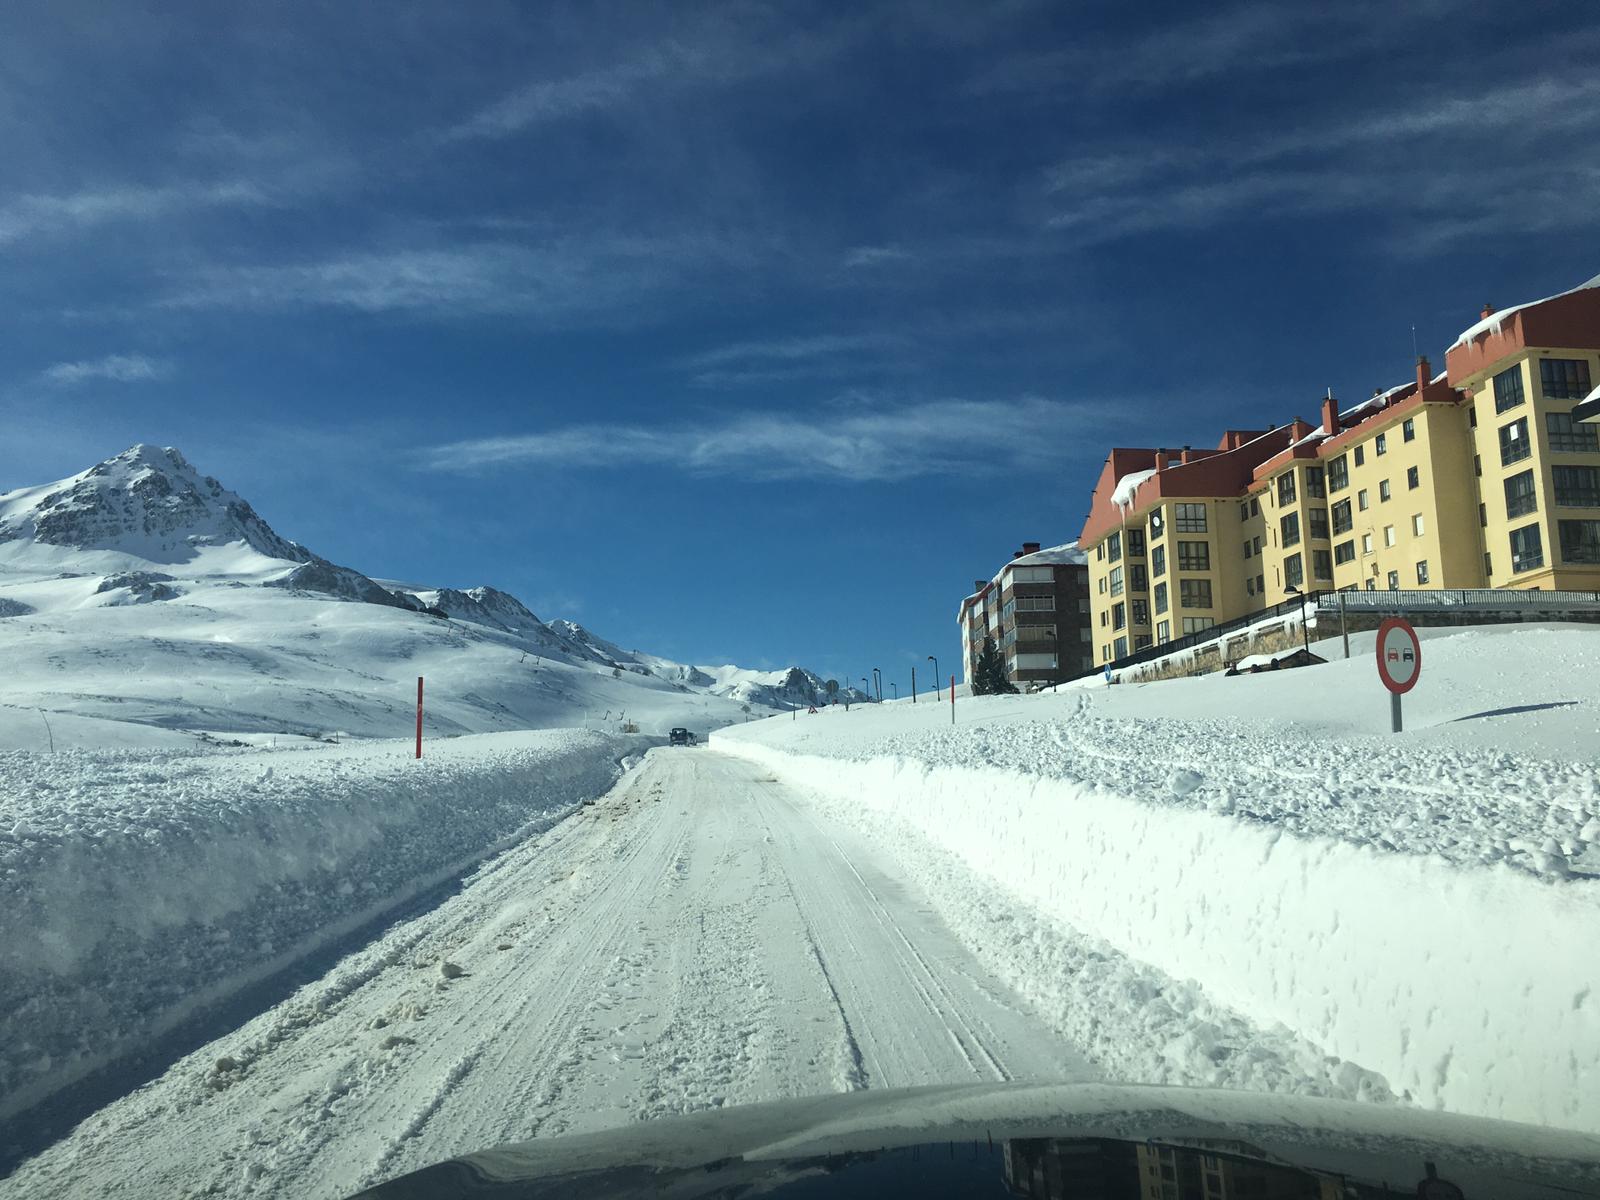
point(1030, 547)
point(1488, 311)
point(1298, 429)
point(978, 584)
point(1163, 460)
point(1330, 416)
point(1016, 554)
point(1424, 373)
point(1184, 457)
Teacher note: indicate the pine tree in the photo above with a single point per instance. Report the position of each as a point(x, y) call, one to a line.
point(989, 675)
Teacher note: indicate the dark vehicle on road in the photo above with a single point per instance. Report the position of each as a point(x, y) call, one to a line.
point(681, 737)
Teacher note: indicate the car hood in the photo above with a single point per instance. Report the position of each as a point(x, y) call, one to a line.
point(1081, 1140)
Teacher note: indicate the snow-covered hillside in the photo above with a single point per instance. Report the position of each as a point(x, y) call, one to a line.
point(143, 603)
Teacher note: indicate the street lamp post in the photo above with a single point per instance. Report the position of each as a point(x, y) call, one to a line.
point(1305, 633)
point(896, 688)
point(938, 679)
point(866, 687)
point(877, 679)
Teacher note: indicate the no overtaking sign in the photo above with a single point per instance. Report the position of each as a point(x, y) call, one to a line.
point(1399, 661)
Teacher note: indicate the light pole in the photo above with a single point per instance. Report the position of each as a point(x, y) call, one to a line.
point(938, 679)
point(866, 687)
point(1304, 632)
point(877, 679)
point(896, 688)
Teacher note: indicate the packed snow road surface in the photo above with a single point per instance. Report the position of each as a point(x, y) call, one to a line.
point(700, 937)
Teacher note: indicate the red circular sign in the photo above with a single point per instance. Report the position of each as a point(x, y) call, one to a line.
point(1399, 655)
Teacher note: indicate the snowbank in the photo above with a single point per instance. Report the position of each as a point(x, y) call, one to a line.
point(141, 885)
point(1424, 906)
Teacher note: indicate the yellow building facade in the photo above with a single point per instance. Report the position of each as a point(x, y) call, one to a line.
point(1477, 477)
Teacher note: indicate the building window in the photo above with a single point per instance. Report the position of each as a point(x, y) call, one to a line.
point(1158, 561)
point(1360, 455)
point(1163, 631)
point(1116, 581)
point(1483, 515)
point(1105, 618)
point(1158, 525)
point(1520, 497)
point(1250, 586)
point(1286, 487)
point(1194, 593)
point(1366, 543)
point(1383, 489)
point(1294, 573)
point(1261, 584)
point(1194, 556)
point(1316, 484)
point(1100, 552)
point(1135, 543)
point(1255, 543)
point(1564, 378)
point(1488, 566)
point(1119, 616)
point(1527, 549)
point(1413, 477)
point(1408, 429)
point(1514, 445)
point(1247, 549)
point(1422, 573)
point(1472, 416)
point(1319, 523)
point(1580, 541)
point(1141, 641)
point(1338, 474)
point(1321, 565)
point(1255, 507)
point(1416, 525)
point(1114, 547)
point(1161, 597)
point(1102, 585)
point(1244, 510)
point(1380, 445)
point(1508, 389)
point(1577, 487)
point(1035, 603)
point(1191, 518)
point(1141, 612)
point(1139, 581)
point(1343, 518)
point(1198, 624)
point(1119, 648)
point(1388, 535)
point(1362, 501)
point(1477, 465)
point(1394, 581)
point(1290, 525)
point(1345, 552)
point(1571, 437)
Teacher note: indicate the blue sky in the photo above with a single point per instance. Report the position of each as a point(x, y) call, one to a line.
point(750, 332)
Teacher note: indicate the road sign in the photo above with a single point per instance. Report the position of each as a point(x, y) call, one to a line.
point(1399, 655)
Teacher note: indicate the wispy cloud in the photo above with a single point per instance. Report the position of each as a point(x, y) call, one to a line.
point(783, 360)
point(722, 47)
point(794, 348)
point(24, 216)
point(562, 278)
point(871, 444)
point(116, 368)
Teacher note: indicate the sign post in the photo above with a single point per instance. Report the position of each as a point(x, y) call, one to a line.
point(952, 699)
point(419, 716)
point(1399, 662)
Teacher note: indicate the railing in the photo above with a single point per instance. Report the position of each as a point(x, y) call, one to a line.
point(1460, 599)
point(1398, 601)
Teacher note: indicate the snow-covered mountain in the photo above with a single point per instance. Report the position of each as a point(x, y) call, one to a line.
point(143, 601)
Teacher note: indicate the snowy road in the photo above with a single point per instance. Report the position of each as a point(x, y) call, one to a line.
point(700, 937)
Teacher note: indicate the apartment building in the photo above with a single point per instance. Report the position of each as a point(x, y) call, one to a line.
point(1482, 475)
point(1036, 608)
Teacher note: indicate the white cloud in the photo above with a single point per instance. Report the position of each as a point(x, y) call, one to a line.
point(967, 437)
point(35, 214)
point(118, 368)
point(827, 345)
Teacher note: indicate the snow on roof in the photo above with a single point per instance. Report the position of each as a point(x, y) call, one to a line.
point(1381, 400)
point(1122, 494)
point(1493, 322)
point(1066, 553)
